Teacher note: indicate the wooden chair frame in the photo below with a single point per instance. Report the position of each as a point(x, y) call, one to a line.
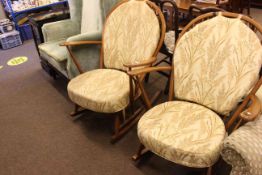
point(121, 125)
point(250, 107)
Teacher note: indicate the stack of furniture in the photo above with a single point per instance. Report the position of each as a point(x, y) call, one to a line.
point(9, 37)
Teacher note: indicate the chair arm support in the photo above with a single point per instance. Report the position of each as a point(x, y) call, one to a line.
point(77, 43)
point(253, 111)
point(146, 63)
point(84, 39)
point(137, 72)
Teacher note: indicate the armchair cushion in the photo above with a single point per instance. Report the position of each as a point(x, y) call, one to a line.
point(54, 50)
point(243, 149)
point(100, 90)
point(91, 16)
point(183, 132)
point(59, 30)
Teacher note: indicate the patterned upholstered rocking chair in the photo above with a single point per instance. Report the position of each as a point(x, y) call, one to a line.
point(215, 74)
point(132, 36)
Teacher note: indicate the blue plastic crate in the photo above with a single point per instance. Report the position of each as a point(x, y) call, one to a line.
point(26, 32)
point(10, 40)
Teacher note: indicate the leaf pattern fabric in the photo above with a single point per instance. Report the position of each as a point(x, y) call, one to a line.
point(100, 90)
point(131, 35)
point(217, 63)
point(183, 132)
point(243, 149)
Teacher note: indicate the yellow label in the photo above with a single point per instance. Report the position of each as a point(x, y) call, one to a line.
point(16, 61)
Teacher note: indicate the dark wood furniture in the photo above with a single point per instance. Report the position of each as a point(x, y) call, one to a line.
point(257, 3)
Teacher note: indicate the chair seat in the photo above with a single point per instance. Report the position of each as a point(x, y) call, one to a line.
point(170, 41)
point(183, 132)
point(54, 50)
point(100, 90)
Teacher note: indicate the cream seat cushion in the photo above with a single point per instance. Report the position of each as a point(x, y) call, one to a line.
point(183, 132)
point(100, 90)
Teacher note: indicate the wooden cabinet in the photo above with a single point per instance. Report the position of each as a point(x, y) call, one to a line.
point(256, 3)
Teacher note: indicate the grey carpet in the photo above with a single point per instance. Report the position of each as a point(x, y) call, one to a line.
point(37, 135)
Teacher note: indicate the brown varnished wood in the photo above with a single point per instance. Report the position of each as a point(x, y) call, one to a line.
point(184, 5)
point(145, 70)
point(252, 112)
point(77, 43)
point(146, 63)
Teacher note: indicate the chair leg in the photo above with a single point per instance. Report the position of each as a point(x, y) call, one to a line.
point(147, 78)
point(122, 128)
point(209, 171)
point(76, 111)
point(141, 151)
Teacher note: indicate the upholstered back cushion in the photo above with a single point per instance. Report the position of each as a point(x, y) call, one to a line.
point(106, 6)
point(75, 7)
point(131, 34)
point(91, 16)
point(217, 63)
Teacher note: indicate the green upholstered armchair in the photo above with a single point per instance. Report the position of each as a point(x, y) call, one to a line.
point(85, 24)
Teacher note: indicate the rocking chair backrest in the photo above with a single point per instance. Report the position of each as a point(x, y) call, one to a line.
point(133, 33)
point(217, 62)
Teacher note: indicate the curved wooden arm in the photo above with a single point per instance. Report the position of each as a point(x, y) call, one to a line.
point(253, 111)
point(146, 63)
point(77, 43)
point(148, 70)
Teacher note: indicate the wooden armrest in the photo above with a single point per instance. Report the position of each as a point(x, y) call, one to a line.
point(146, 63)
point(77, 43)
point(148, 70)
point(253, 111)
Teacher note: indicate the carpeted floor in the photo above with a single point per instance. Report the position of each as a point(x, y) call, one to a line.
point(37, 135)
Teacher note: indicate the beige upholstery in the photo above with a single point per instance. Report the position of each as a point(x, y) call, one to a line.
point(129, 39)
point(100, 90)
point(183, 132)
point(125, 40)
point(170, 41)
point(217, 62)
point(243, 149)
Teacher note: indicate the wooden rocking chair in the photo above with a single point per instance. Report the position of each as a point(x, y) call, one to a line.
point(132, 36)
point(215, 75)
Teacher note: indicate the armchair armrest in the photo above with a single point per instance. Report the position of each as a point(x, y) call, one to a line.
point(146, 63)
point(137, 72)
point(78, 43)
point(81, 39)
point(59, 30)
point(253, 111)
point(90, 36)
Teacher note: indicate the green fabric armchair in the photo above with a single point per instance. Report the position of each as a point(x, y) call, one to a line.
point(85, 23)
